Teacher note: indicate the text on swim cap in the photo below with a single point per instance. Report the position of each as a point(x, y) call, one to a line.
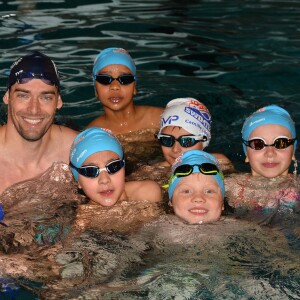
point(199, 117)
point(169, 120)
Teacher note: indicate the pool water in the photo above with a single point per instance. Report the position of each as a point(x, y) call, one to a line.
point(234, 56)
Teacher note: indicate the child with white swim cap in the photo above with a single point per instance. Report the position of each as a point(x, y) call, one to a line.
point(97, 163)
point(114, 76)
point(269, 143)
point(196, 188)
point(185, 125)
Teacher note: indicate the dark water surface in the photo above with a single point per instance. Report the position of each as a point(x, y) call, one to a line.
point(234, 56)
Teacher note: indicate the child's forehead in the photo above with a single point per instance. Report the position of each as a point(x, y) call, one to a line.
point(174, 129)
point(202, 180)
point(270, 130)
point(115, 68)
point(106, 155)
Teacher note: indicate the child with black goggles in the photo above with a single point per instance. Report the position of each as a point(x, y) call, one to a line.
point(196, 187)
point(97, 163)
point(269, 142)
point(114, 76)
point(186, 125)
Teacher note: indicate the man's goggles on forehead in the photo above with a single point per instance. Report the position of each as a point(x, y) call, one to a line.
point(93, 171)
point(280, 143)
point(24, 77)
point(185, 141)
point(107, 79)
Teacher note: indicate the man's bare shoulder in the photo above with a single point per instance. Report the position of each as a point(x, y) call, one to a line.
point(63, 133)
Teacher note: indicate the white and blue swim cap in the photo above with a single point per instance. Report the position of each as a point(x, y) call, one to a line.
point(193, 157)
point(90, 141)
point(272, 114)
point(113, 56)
point(189, 114)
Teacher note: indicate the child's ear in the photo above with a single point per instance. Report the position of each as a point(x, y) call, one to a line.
point(246, 159)
point(170, 203)
point(135, 91)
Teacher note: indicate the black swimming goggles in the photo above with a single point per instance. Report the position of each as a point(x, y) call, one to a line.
point(93, 171)
point(186, 170)
point(105, 79)
point(49, 78)
point(205, 168)
point(185, 141)
point(280, 143)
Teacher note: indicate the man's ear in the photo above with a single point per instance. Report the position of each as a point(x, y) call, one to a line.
point(59, 103)
point(6, 97)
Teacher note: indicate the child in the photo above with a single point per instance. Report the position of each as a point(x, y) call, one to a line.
point(196, 188)
point(269, 143)
point(97, 163)
point(114, 75)
point(186, 125)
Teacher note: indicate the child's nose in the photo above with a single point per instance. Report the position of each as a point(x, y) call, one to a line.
point(115, 85)
point(270, 151)
point(103, 177)
point(176, 148)
point(198, 198)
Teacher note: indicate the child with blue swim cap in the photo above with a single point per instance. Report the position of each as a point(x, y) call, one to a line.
point(97, 163)
point(186, 125)
point(114, 77)
point(269, 142)
point(196, 188)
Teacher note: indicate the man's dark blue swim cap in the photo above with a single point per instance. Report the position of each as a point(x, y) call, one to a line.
point(33, 66)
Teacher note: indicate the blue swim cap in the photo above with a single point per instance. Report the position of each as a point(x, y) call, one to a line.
point(113, 56)
point(90, 141)
point(193, 157)
point(272, 114)
point(36, 66)
point(1, 213)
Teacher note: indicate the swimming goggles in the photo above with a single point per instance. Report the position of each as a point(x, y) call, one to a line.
point(186, 170)
point(205, 168)
point(93, 171)
point(107, 79)
point(185, 141)
point(47, 77)
point(280, 143)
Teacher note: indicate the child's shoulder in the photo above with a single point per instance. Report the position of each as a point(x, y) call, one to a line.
point(150, 109)
point(100, 121)
point(143, 190)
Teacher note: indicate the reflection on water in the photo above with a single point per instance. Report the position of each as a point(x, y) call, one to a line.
point(171, 260)
point(233, 57)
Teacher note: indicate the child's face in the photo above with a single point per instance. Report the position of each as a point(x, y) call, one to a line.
point(270, 162)
point(171, 153)
point(198, 199)
point(106, 189)
point(115, 95)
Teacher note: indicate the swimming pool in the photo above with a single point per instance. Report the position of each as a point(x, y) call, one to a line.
point(235, 56)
